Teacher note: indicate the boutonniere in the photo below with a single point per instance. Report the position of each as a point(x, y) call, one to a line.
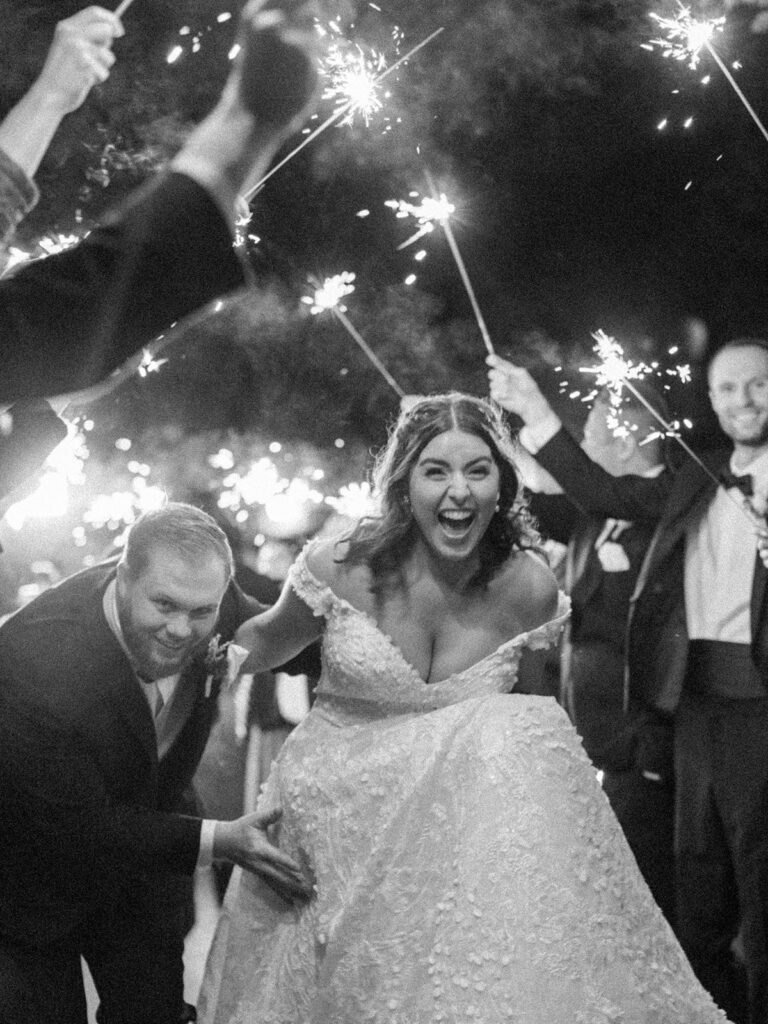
point(222, 663)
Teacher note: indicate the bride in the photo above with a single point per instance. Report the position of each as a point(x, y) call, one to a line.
point(467, 865)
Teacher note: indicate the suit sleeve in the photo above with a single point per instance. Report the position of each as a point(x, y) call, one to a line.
point(555, 515)
point(55, 804)
point(595, 491)
point(70, 319)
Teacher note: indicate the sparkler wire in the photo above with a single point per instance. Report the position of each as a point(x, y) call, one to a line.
point(355, 334)
point(122, 8)
point(446, 226)
point(468, 286)
point(253, 189)
point(716, 56)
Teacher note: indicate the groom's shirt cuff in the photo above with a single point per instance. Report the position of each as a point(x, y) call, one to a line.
point(205, 853)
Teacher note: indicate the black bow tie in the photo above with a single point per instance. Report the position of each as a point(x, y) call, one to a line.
point(743, 483)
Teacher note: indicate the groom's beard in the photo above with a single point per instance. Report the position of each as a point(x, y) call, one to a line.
point(150, 655)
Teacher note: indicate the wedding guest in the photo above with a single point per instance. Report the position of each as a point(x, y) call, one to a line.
point(107, 696)
point(630, 744)
point(698, 648)
point(68, 320)
point(79, 57)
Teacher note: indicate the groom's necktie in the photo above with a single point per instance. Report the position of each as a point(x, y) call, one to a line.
point(154, 697)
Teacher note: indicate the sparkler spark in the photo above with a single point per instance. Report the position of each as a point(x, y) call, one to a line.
point(353, 82)
point(328, 296)
point(253, 189)
point(686, 35)
point(614, 373)
point(149, 364)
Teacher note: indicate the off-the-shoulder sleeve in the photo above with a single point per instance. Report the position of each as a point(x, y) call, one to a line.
point(548, 634)
point(316, 594)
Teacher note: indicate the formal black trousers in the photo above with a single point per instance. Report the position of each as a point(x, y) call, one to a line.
point(721, 838)
point(133, 945)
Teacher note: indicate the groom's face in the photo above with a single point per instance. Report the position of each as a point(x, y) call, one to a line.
point(169, 609)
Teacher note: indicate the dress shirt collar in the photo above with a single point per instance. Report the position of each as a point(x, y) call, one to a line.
point(167, 684)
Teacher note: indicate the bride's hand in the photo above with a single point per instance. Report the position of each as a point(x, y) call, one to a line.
point(245, 842)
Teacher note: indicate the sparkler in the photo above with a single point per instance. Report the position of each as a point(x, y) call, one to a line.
point(687, 37)
point(352, 82)
point(337, 114)
point(439, 210)
point(328, 296)
point(123, 7)
point(616, 372)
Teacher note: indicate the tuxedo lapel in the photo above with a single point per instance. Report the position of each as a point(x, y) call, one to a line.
point(583, 569)
point(119, 680)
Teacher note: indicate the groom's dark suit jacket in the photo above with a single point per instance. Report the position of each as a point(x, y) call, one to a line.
point(657, 635)
point(84, 802)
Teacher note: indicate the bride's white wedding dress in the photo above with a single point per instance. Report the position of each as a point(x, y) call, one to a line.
point(468, 865)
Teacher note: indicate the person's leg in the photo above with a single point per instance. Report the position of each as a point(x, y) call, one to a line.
point(645, 811)
point(40, 986)
point(707, 906)
point(741, 784)
point(135, 953)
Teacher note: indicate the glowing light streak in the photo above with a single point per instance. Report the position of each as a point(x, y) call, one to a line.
point(328, 296)
point(174, 54)
point(354, 501)
point(339, 112)
point(50, 499)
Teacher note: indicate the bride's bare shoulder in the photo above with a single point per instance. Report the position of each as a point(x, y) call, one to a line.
point(326, 561)
point(529, 589)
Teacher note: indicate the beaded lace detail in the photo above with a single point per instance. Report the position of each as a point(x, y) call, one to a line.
point(468, 866)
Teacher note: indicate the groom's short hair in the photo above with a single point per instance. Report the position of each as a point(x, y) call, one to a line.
point(180, 527)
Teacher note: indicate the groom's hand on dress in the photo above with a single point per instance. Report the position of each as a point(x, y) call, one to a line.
point(245, 842)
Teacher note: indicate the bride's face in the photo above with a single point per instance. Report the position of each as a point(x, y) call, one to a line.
point(453, 489)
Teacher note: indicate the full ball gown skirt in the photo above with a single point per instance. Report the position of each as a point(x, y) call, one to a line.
point(468, 866)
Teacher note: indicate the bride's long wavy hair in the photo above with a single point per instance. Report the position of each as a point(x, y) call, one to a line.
point(383, 541)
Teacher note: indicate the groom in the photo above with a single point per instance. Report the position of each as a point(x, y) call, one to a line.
point(107, 697)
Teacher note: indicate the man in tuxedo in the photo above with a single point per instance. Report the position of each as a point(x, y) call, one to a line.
point(698, 648)
point(107, 695)
point(632, 746)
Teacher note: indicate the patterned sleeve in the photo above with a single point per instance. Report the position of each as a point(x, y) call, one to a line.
point(313, 592)
point(548, 634)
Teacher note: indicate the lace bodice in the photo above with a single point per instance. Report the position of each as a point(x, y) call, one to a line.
point(365, 673)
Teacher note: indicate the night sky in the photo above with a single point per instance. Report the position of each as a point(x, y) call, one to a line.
point(538, 120)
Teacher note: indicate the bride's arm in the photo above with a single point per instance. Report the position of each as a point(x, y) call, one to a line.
point(276, 635)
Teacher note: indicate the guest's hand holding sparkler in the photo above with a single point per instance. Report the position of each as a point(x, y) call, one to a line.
point(79, 57)
point(515, 390)
point(269, 91)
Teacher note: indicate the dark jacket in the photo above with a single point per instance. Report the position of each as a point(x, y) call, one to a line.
point(84, 802)
point(657, 650)
point(68, 320)
point(616, 736)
